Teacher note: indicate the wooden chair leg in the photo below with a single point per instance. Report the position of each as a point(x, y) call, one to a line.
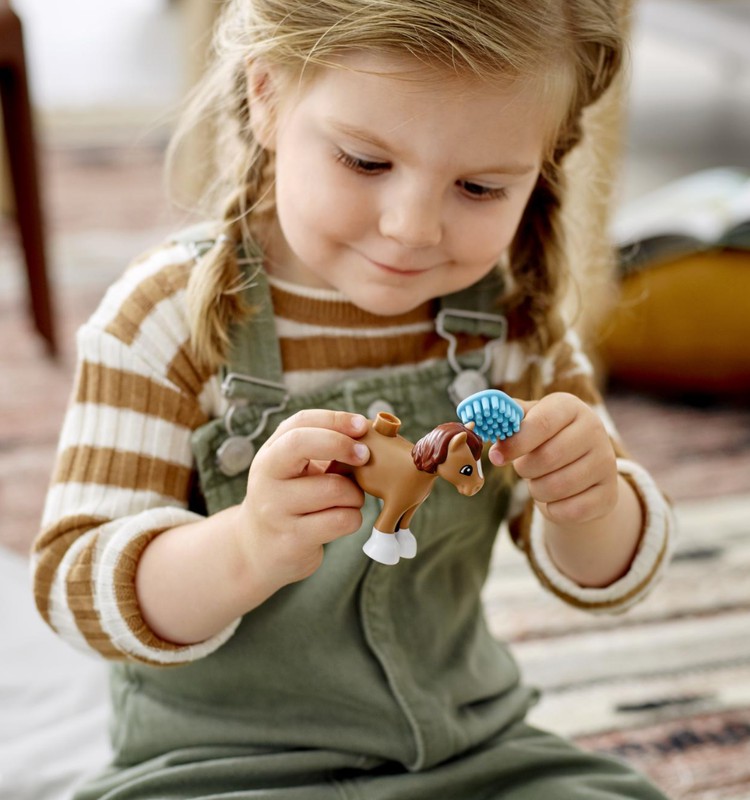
point(19, 135)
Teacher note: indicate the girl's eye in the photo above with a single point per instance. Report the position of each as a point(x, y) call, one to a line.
point(361, 165)
point(478, 192)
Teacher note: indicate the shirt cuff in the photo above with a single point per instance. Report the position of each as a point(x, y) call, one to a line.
point(651, 560)
point(120, 613)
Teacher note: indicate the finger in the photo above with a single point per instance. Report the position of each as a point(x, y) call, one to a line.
point(311, 494)
point(331, 491)
point(566, 447)
point(543, 420)
point(328, 524)
point(354, 425)
point(296, 448)
point(583, 507)
point(568, 481)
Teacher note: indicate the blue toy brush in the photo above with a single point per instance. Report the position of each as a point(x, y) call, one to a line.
point(494, 414)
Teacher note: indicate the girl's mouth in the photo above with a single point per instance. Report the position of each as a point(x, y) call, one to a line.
point(403, 271)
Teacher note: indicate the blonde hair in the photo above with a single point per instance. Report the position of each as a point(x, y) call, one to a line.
point(524, 39)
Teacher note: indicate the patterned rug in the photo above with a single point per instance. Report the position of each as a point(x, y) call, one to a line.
point(667, 685)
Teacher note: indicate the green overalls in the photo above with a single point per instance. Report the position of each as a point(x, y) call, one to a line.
point(364, 680)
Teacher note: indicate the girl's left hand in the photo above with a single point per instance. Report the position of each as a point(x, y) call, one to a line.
point(565, 455)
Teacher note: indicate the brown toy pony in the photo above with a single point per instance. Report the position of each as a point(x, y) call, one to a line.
point(402, 476)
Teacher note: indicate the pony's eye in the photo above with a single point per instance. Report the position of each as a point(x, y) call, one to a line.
point(467, 470)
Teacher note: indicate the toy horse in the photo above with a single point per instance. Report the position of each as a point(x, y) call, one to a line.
point(402, 476)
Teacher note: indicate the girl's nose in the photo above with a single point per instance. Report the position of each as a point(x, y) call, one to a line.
point(413, 219)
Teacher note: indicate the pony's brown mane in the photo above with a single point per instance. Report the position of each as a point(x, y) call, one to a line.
point(432, 449)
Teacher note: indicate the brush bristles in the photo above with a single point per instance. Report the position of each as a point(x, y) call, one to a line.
point(494, 414)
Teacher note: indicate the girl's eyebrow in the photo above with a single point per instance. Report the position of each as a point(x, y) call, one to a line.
point(509, 168)
point(364, 135)
point(358, 133)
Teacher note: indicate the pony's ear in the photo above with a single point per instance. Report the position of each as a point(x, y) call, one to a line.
point(459, 440)
point(470, 425)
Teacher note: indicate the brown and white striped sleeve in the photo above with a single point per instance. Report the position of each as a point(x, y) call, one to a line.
point(124, 464)
point(569, 370)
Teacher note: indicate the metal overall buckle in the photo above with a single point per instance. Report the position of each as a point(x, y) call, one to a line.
point(468, 381)
point(236, 452)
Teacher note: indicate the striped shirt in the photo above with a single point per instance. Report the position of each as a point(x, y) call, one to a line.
point(124, 465)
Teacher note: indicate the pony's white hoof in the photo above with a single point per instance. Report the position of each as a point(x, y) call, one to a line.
point(382, 547)
point(407, 543)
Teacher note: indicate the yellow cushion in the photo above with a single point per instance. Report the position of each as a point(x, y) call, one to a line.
point(683, 325)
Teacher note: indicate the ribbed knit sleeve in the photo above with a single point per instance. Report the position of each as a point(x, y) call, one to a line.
point(124, 464)
point(570, 371)
point(648, 566)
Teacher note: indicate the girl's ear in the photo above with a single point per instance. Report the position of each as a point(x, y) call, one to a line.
point(263, 99)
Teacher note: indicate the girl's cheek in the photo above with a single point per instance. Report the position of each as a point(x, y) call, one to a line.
point(487, 242)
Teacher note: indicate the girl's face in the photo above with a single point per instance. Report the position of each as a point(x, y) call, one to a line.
point(397, 191)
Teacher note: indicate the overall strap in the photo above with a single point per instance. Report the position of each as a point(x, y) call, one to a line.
point(475, 310)
point(254, 350)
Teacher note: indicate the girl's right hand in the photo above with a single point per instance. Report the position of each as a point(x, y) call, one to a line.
point(293, 505)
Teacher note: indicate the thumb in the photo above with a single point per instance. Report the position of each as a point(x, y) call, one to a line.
point(526, 405)
point(497, 454)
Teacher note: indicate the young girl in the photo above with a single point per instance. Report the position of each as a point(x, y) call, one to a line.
point(390, 173)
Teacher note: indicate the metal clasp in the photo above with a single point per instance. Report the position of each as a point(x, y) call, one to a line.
point(468, 381)
point(236, 452)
